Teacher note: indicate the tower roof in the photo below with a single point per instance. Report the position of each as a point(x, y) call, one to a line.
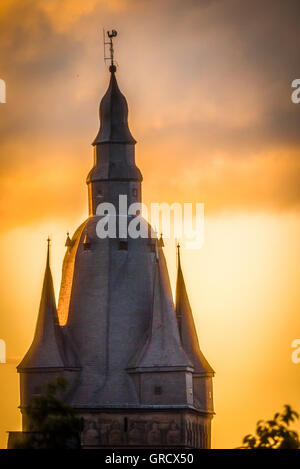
point(44, 351)
point(114, 115)
point(163, 348)
point(187, 329)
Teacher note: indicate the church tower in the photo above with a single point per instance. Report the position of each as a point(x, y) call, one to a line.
point(132, 360)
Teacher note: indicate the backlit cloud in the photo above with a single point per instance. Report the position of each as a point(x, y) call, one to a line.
point(208, 85)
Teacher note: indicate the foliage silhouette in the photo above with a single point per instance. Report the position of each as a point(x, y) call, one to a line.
point(53, 424)
point(274, 433)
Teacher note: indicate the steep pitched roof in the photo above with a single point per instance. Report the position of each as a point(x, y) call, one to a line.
point(114, 116)
point(186, 325)
point(45, 350)
point(162, 348)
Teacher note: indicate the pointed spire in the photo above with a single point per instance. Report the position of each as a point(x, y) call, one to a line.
point(69, 242)
point(161, 241)
point(114, 115)
point(48, 252)
point(44, 351)
point(163, 348)
point(186, 325)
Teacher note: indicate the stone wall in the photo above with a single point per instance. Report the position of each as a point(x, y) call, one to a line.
point(164, 429)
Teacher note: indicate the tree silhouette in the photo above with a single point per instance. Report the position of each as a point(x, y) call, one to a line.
point(275, 433)
point(53, 424)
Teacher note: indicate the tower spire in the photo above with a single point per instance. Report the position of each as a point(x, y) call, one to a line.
point(162, 347)
point(45, 350)
point(186, 325)
point(113, 107)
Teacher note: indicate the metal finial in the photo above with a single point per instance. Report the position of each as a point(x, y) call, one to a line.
point(178, 253)
point(48, 250)
point(111, 34)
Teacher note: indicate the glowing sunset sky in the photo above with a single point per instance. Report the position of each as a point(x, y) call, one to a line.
point(208, 85)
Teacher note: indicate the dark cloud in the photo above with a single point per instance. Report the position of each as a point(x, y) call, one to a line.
point(206, 81)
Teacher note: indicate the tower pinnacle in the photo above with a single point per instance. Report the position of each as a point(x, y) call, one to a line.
point(186, 325)
point(45, 351)
point(48, 252)
point(154, 389)
point(110, 34)
point(178, 252)
point(113, 111)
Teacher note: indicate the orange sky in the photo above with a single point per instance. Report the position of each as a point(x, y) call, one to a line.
point(208, 87)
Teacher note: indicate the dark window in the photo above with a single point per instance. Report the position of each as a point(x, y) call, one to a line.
point(123, 245)
point(157, 390)
point(125, 424)
point(134, 192)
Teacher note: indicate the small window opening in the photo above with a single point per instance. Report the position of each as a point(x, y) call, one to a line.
point(157, 390)
point(125, 424)
point(134, 192)
point(123, 245)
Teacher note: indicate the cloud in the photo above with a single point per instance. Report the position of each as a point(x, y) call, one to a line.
point(208, 85)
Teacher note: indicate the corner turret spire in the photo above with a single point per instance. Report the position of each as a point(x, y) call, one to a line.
point(44, 351)
point(162, 349)
point(186, 325)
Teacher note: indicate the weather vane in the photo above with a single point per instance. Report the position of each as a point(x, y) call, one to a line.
point(110, 34)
